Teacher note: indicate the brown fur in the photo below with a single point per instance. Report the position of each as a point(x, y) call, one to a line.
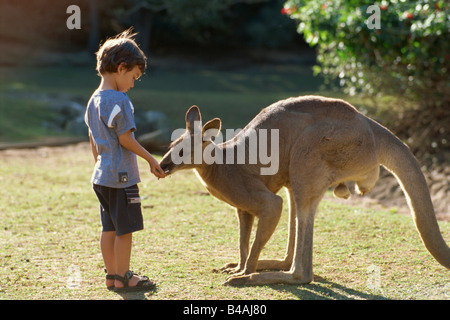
point(323, 142)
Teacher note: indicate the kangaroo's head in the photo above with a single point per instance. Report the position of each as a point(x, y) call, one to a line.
point(186, 151)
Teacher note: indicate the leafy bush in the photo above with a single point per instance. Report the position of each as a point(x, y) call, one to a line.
point(407, 56)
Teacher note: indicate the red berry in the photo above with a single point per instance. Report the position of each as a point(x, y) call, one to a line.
point(288, 10)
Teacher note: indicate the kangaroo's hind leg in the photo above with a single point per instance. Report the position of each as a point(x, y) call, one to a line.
point(286, 262)
point(245, 226)
point(268, 207)
point(307, 194)
point(301, 270)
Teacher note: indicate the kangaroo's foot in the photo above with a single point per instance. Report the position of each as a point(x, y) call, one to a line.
point(234, 268)
point(281, 265)
point(263, 278)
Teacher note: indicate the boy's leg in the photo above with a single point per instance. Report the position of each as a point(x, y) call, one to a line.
point(122, 251)
point(116, 252)
point(120, 219)
point(108, 235)
point(107, 244)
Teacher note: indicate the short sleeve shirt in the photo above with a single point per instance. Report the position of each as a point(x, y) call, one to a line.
point(110, 114)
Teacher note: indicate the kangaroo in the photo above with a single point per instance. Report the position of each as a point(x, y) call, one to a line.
point(323, 142)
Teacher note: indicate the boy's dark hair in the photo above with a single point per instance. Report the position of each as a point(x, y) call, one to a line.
point(120, 49)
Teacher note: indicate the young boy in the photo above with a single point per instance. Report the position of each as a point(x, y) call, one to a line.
point(109, 116)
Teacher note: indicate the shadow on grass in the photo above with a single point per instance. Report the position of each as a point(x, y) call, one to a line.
point(322, 289)
point(137, 295)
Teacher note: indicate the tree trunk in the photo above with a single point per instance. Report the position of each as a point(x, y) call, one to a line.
point(144, 27)
point(94, 34)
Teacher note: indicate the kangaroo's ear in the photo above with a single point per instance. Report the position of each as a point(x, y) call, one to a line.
point(211, 129)
point(193, 115)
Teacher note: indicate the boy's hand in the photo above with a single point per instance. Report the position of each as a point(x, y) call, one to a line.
point(156, 169)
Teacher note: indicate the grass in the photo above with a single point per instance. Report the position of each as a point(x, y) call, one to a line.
point(50, 223)
point(50, 240)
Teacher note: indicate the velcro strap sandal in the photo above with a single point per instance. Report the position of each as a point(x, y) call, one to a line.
point(110, 277)
point(145, 284)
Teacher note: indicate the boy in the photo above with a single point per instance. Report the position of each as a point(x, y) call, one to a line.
point(109, 116)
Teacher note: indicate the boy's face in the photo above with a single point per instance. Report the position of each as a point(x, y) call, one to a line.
point(125, 78)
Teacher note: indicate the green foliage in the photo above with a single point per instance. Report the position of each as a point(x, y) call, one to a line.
point(408, 55)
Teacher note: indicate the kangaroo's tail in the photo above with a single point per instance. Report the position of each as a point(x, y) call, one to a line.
point(398, 159)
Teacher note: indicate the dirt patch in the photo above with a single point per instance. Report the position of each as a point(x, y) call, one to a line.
point(387, 193)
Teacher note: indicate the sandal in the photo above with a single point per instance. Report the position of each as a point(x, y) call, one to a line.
point(110, 277)
point(145, 284)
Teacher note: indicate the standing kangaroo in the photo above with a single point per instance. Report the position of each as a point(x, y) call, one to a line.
point(323, 142)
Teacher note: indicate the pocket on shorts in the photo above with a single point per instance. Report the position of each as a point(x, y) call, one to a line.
point(132, 194)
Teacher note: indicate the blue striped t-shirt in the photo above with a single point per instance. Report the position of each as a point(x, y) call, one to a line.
point(109, 114)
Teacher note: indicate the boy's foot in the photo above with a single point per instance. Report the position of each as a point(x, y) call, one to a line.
point(133, 282)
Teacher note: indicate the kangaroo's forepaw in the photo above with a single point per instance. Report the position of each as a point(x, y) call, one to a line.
point(230, 268)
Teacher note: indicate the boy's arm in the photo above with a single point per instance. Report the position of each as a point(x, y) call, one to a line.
point(127, 141)
point(94, 149)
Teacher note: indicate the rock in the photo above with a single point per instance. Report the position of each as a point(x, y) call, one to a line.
point(70, 117)
point(152, 126)
point(77, 126)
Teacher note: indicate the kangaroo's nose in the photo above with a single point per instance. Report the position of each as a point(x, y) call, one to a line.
point(166, 167)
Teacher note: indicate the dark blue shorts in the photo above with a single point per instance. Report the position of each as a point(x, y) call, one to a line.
point(120, 209)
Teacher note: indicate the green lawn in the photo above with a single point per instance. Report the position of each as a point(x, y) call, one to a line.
point(50, 223)
point(50, 240)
